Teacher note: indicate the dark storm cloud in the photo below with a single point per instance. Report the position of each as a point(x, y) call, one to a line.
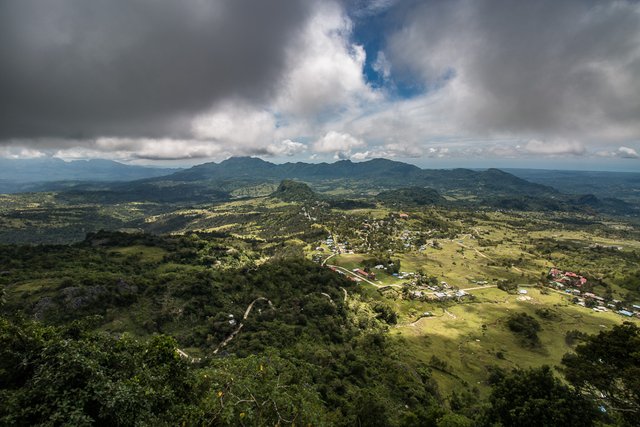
point(562, 68)
point(81, 69)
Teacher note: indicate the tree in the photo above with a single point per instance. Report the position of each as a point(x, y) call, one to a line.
point(69, 376)
point(607, 368)
point(526, 327)
point(536, 397)
point(258, 390)
point(507, 286)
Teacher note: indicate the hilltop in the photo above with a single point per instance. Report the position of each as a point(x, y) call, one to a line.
point(290, 191)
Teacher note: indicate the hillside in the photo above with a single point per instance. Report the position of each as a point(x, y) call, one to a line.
point(413, 196)
point(291, 191)
point(620, 185)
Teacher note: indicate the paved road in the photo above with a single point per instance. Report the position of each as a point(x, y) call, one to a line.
point(329, 257)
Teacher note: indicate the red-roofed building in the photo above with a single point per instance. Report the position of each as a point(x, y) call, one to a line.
point(361, 272)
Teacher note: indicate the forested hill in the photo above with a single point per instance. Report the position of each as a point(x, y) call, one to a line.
point(381, 172)
point(621, 185)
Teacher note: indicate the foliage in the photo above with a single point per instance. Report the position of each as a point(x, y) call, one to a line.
point(293, 191)
point(607, 368)
point(258, 390)
point(536, 398)
point(413, 196)
point(526, 327)
point(508, 286)
point(69, 376)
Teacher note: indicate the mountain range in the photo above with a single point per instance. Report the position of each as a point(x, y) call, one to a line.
point(382, 173)
point(104, 181)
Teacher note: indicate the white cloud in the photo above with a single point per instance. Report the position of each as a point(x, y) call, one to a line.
point(20, 153)
point(325, 72)
point(286, 148)
point(340, 144)
point(235, 124)
point(382, 65)
point(628, 153)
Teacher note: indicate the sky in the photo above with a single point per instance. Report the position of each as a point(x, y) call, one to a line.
point(453, 83)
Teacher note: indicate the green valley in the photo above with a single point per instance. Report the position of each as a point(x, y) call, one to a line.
point(283, 304)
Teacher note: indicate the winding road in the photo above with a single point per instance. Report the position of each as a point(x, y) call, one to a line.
point(246, 315)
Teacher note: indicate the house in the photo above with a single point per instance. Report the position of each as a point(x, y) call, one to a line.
point(522, 292)
point(625, 313)
point(416, 294)
point(403, 216)
point(361, 272)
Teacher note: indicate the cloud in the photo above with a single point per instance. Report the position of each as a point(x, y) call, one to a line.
point(325, 70)
point(20, 153)
point(77, 69)
point(621, 152)
point(235, 124)
point(159, 80)
point(381, 65)
point(543, 69)
point(554, 148)
point(143, 148)
point(286, 148)
point(628, 153)
point(338, 143)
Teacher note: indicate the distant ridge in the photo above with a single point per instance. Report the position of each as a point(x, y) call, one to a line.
point(381, 172)
point(21, 171)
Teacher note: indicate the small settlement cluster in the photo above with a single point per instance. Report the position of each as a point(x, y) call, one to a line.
point(575, 284)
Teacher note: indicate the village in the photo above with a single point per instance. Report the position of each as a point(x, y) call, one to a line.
point(416, 286)
point(577, 285)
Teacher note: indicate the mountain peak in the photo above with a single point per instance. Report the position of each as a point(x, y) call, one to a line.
point(245, 160)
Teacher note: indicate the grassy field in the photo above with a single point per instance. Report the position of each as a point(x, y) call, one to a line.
point(472, 337)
